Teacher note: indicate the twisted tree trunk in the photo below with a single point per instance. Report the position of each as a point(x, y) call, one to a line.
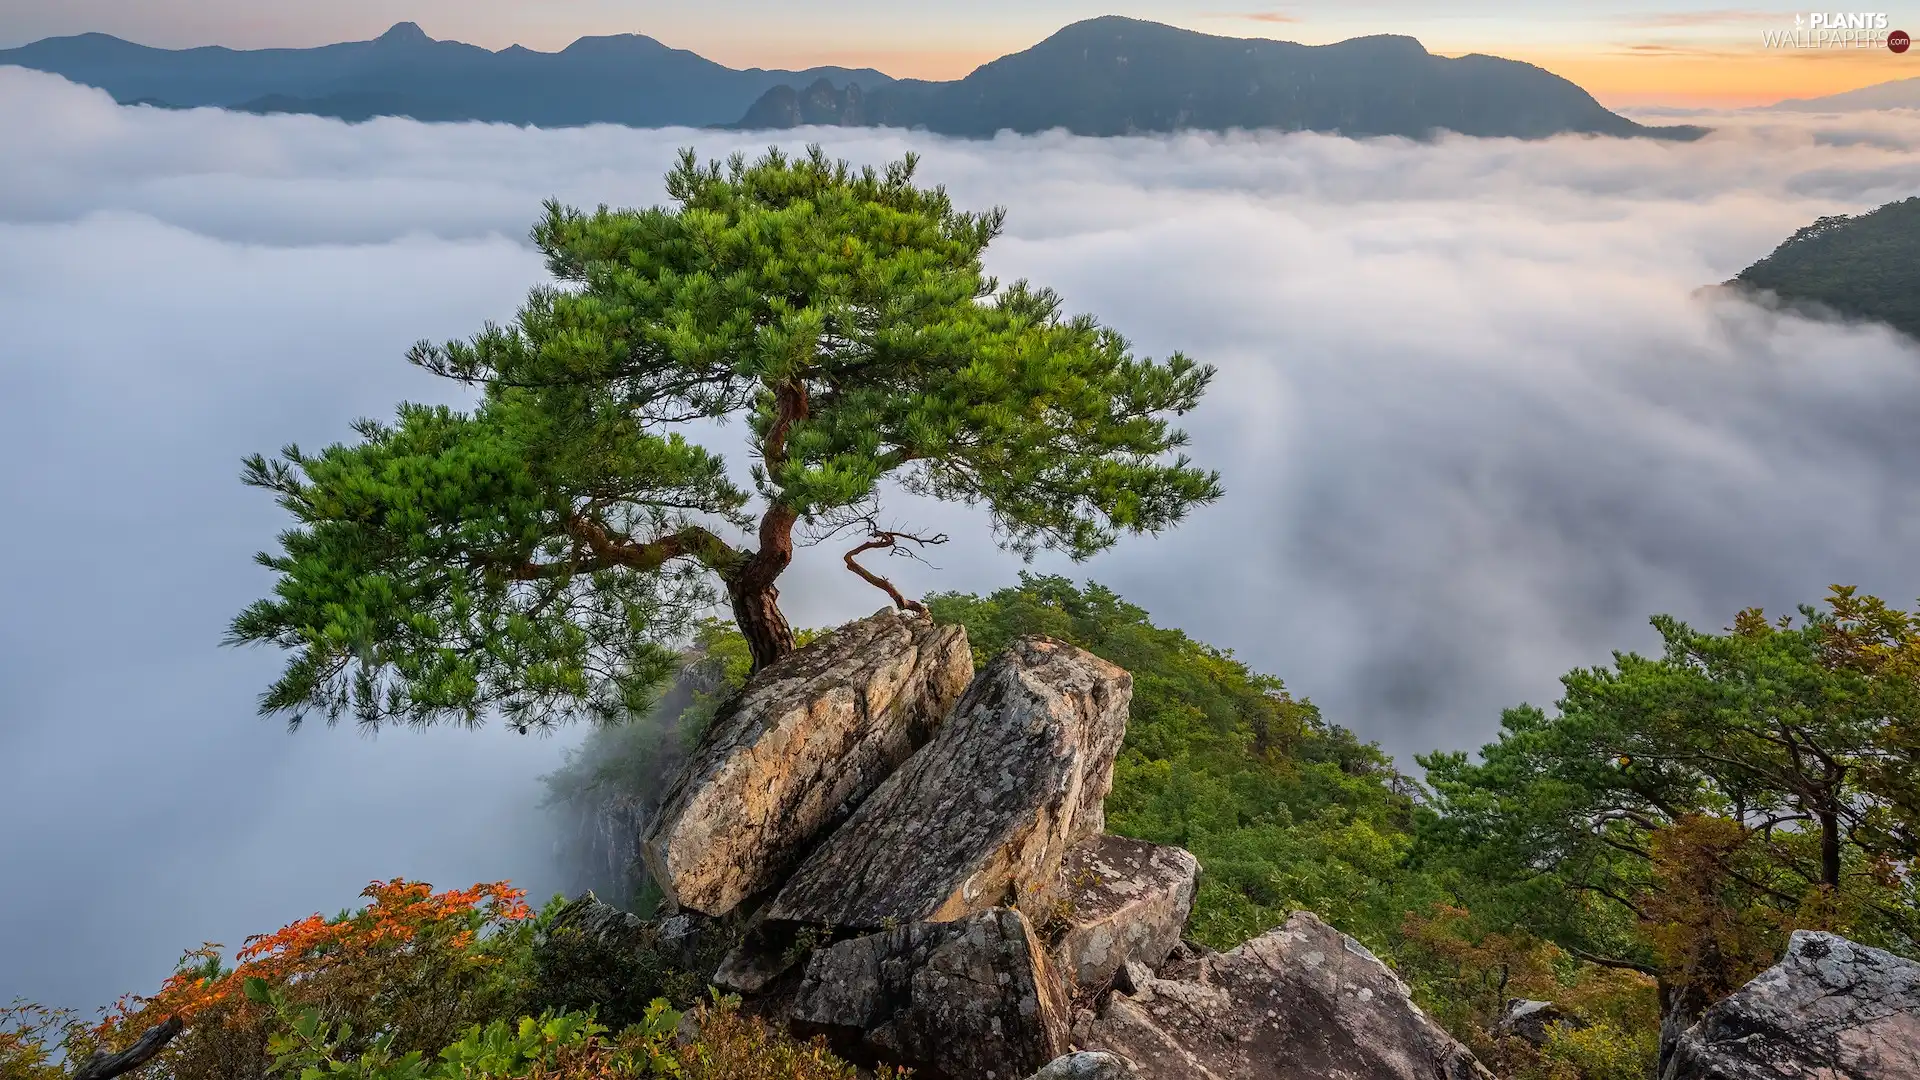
point(756, 610)
point(756, 602)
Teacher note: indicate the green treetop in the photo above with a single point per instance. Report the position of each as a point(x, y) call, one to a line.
point(1681, 813)
point(542, 552)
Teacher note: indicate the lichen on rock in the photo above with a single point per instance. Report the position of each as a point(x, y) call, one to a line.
point(1831, 1009)
point(971, 999)
point(1122, 901)
point(792, 755)
point(1303, 1000)
point(983, 814)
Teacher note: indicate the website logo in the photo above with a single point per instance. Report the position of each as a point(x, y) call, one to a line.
point(1838, 30)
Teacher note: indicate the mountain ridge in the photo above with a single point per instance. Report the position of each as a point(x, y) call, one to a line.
point(1109, 75)
point(1893, 94)
point(1118, 76)
point(629, 79)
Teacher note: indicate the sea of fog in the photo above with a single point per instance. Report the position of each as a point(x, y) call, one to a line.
point(1476, 417)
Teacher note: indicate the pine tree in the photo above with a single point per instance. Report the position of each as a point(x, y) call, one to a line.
point(542, 553)
point(1680, 814)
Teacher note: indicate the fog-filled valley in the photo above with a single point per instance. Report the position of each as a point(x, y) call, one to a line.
point(1477, 416)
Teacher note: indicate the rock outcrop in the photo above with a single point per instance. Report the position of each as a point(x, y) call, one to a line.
point(586, 916)
point(1831, 1009)
point(1123, 901)
point(794, 753)
point(947, 908)
point(983, 814)
point(967, 999)
point(1303, 1002)
point(684, 941)
point(1531, 1021)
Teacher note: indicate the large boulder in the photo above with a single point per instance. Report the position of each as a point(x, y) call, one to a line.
point(790, 756)
point(1123, 901)
point(981, 816)
point(967, 1000)
point(1303, 1002)
point(1829, 1010)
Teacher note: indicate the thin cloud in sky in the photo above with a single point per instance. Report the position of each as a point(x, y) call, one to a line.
point(1475, 418)
point(1255, 16)
point(1652, 48)
point(1714, 18)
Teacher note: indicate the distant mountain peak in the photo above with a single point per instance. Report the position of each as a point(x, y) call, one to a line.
point(404, 33)
point(1104, 25)
point(1111, 21)
point(1383, 44)
point(604, 44)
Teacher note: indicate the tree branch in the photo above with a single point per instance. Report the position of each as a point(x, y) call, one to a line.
point(1637, 852)
point(104, 1066)
point(1638, 913)
point(604, 551)
point(1609, 962)
point(883, 538)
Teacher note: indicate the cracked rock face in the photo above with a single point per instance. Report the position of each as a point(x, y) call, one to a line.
point(967, 1000)
point(1829, 1010)
point(794, 753)
point(983, 814)
point(1124, 901)
point(1303, 1002)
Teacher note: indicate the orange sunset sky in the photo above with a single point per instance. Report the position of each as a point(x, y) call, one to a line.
point(1627, 52)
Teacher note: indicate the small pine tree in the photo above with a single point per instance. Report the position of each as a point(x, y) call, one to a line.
point(541, 553)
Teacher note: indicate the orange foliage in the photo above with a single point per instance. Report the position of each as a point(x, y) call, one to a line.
point(399, 913)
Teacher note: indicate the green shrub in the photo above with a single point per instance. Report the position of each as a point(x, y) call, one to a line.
point(566, 1045)
point(1603, 1051)
point(35, 1039)
point(733, 1046)
point(619, 975)
point(552, 1045)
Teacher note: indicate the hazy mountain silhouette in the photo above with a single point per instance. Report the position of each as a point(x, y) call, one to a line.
point(1898, 94)
point(624, 79)
point(1105, 76)
point(1116, 76)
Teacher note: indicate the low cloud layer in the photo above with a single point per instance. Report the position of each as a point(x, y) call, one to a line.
point(1475, 418)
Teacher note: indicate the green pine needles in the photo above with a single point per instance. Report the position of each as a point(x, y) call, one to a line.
point(542, 554)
